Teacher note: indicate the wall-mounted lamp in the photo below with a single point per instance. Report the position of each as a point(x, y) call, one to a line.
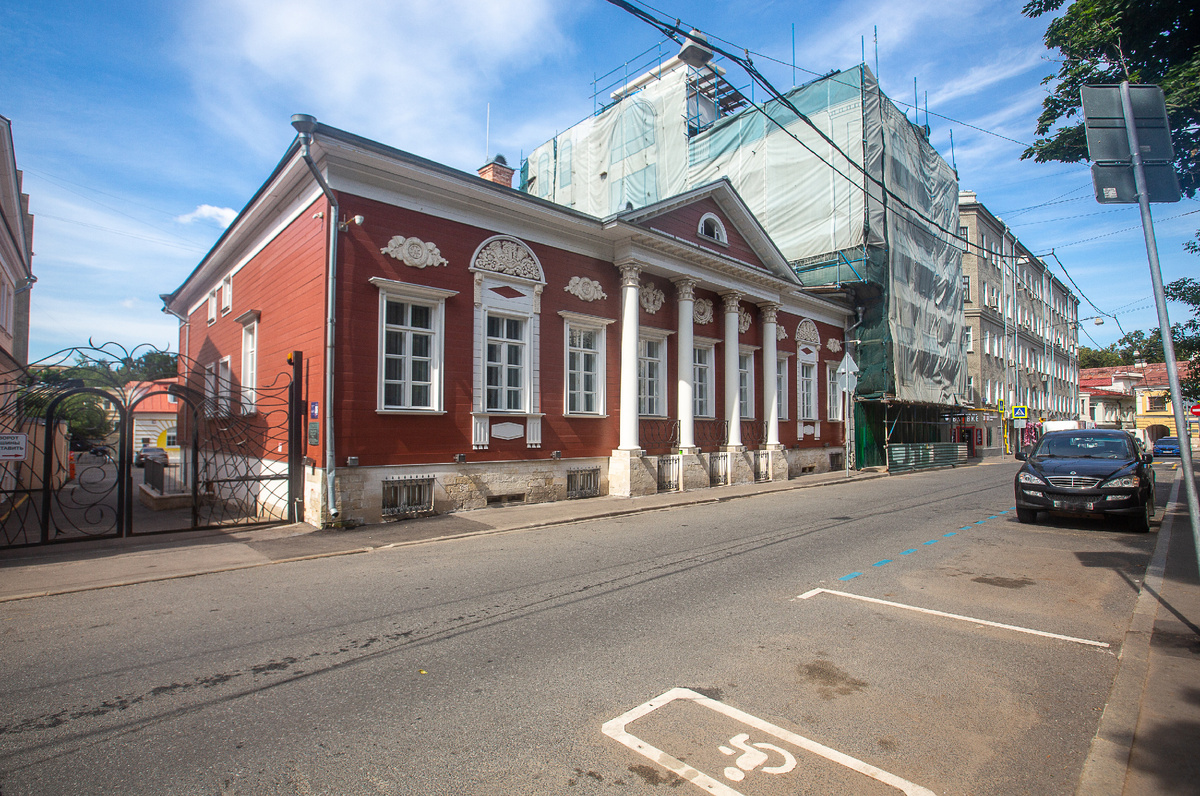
point(345, 225)
point(460, 458)
point(556, 455)
point(352, 461)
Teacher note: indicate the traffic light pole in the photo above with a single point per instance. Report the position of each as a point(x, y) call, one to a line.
point(1164, 323)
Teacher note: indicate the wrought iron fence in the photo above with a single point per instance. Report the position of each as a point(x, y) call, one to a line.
point(754, 433)
point(658, 435)
point(711, 434)
point(669, 469)
point(762, 466)
point(720, 468)
point(407, 496)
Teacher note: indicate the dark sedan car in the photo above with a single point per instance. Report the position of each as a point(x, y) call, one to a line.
point(1167, 446)
point(1091, 471)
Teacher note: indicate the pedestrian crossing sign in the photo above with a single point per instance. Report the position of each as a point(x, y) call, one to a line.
point(1020, 413)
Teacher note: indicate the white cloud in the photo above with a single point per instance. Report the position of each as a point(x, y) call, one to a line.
point(222, 215)
point(414, 74)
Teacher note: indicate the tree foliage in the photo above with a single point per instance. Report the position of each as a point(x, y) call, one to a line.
point(1107, 41)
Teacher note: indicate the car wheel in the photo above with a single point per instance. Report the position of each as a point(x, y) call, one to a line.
point(1141, 521)
point(1027, 516)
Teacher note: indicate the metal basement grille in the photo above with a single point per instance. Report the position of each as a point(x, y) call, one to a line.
point(403, 497)
point(1073, 481)
point(583, 482)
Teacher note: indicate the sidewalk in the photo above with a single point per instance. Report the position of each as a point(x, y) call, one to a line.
point(65, 568)
point(1148, 741)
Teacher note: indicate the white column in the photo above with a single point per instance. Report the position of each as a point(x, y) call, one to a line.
point(770, 372)
point(733, 393)
point(686, 289)
point(630, 287)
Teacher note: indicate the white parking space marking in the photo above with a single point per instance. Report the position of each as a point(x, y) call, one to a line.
point(932, 612)
point(752, 754)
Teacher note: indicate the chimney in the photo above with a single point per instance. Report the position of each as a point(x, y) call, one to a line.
point(497, 171)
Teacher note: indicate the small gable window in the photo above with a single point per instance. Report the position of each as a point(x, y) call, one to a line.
point(712, 228)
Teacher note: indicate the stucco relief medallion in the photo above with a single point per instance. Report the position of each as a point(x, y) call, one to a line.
point(414, 252)
point(652, 298)
point(807, 332)
point(508, 257)
point(780, 332)
point(702, 312)
point(744, 319)
point(833, 344)
point(585, 289)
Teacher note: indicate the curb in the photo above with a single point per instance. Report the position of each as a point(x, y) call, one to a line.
point(1107, 764)
point(700, 499)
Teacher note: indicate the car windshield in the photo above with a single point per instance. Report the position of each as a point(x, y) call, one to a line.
point(1082, 447)
point(1168, 441)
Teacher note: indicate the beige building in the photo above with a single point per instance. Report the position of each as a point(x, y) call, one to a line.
point(16, 258)
point(1022, 335)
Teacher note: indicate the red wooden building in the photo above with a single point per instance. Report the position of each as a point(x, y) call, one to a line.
point(467, 344)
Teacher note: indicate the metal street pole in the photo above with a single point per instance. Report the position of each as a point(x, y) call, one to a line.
point(1164, 323)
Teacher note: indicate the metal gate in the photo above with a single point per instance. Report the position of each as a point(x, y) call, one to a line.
point(72, 431)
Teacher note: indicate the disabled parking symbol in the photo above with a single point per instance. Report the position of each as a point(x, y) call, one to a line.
point(747, 758)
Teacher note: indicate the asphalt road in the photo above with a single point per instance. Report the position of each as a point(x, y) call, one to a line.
point(517, 663)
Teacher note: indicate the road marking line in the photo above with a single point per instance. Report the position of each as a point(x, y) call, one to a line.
point(615, 729)
point(981, 522)
point(969, 527)
point(994, 516)
point(952, 533)
point(851, 576)
point(931, 541)
point(910, 551)
point(932, 612)
point(881, 563)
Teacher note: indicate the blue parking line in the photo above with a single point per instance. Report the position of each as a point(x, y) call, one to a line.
point(931, 541)
point(908, 552)
point(881, 563)
point(994, 516)
point(981, 522)
point(952, 533)
point(966, 529)
point(851, 576)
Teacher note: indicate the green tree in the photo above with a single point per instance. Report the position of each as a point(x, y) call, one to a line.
point(1186, 335)
point(1107, 41)
point(1106, 357)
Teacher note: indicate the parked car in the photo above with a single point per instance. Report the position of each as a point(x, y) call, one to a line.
point(1088, 471)
point(149, 453)
point(1167, 446)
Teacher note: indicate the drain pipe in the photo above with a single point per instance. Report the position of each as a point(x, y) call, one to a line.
point(305, 126)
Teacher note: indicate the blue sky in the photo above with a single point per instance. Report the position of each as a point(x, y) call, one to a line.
point(143, 127)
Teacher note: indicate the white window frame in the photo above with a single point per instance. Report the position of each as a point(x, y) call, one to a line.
point(833, 394)
point(659, 337)
point(746, 392)
point(969, 334)
point(423, 295)
point(704, 403)
point(210, 389)
point(224, 386)
point(720, 236)
point(506, 346)
point(781, 388)
point(806, 387)
point(586, 323)
point(249, 367)
point(227, 294)
point(212, 306)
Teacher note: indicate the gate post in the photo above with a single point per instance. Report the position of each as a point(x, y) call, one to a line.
point(296, 420)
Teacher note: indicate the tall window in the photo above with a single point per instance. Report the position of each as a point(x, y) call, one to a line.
point(408, 355)
point(808, 390)
point(227, 294)
point(966, 286)
point(411, 320)
point(249, 367)
point(702, 383)
point(834, 393)
point(583, 370)
point(969, 336)
point(212, 306)
point(505, 375)
point(651, 366)
point(746, 383)
point(224, 387)
point(781, 382)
